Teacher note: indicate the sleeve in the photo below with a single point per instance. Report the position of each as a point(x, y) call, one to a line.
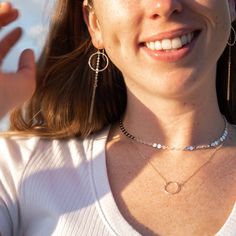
point(14, 156)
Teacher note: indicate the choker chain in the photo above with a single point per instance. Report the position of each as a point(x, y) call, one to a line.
point(213, 144)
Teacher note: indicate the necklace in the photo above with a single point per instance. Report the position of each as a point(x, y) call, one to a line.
point(213, 144)
point(174, 187)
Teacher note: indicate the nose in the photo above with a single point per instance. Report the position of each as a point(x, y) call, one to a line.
point(165, 8)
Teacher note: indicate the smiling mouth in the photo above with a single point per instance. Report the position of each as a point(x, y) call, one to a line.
point(173, 44)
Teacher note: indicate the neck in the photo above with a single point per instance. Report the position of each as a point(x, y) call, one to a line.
point(180, 122)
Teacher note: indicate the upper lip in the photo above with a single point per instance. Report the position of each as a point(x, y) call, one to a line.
point(169, 34)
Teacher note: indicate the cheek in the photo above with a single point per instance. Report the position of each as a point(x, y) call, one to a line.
point(118, 17)
point(216, 17)
point(211, 9)
point(111, 11)
point(120, 29)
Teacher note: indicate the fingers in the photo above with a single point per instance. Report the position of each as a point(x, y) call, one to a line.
point(27, 70)
point(7, 13)
point(27, 61)
point(16, 88)
point(9, 41)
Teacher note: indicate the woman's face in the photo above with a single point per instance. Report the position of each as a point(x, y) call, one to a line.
point(165, 47)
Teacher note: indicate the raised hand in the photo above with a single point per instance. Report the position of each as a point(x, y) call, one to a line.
point(17, 87)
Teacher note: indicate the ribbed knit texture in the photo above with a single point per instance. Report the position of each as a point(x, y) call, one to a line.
point(61, 188)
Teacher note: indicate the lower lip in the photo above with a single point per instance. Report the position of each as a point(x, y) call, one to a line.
point(171, 56)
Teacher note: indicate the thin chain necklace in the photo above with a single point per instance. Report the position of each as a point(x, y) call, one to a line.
point(174, 187)
point(213, 144)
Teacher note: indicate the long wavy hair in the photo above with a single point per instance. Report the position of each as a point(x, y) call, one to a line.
point(60, 105)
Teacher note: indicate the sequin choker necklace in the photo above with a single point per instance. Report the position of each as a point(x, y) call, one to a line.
point(213, 144)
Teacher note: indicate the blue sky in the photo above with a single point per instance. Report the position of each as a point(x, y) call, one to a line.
point(34, 19)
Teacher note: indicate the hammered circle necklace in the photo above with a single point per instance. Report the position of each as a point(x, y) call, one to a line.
point(174, 187)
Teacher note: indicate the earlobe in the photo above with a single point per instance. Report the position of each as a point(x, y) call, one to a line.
point(93, 26)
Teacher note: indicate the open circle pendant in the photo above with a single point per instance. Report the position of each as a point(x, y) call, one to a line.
point(172, 187)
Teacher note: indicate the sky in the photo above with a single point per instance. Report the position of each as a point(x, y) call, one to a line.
point(34, 19)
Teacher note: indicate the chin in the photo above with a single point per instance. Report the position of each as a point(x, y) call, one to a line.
point(178, 85)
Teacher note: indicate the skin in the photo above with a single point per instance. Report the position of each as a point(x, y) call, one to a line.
point(166, 94)
point(15, 87)
point(171, 103)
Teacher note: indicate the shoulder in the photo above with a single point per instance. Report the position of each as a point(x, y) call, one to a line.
point(16, 150)
point(22, 150)
point(21, 154)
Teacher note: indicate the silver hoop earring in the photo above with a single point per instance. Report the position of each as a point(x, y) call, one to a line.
point(231, 43)
point(98, 54)
point(229, 75)
point(97, 70)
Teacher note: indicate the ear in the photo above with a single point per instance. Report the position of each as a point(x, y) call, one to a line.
point(93, 25)
point(232, 10)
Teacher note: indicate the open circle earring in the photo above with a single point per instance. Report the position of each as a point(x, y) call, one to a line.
point(98, 54)
point(231, 41)
point(97, 69)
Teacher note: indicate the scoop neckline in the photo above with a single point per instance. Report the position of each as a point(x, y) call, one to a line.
point(104, 199)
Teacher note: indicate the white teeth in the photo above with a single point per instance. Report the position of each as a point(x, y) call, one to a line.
point(177, 43)
point(158, 45)
point(184, 39)
point(166, 44)
point(189, 38)
point(152, 45)
point(171, 44)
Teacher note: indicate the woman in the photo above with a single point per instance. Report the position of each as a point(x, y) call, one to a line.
point(138, 147)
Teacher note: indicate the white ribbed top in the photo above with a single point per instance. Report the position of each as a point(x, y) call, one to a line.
point(61, 188)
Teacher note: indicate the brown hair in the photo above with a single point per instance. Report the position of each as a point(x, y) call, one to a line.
point(60, 105)
point(227, 108)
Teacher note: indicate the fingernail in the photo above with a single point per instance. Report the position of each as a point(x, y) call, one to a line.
point(5, 5)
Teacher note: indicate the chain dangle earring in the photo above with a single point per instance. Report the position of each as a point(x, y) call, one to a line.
point(231, 43)
point(99, 54)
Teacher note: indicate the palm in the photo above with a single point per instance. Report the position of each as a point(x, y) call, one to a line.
point(15, 87)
